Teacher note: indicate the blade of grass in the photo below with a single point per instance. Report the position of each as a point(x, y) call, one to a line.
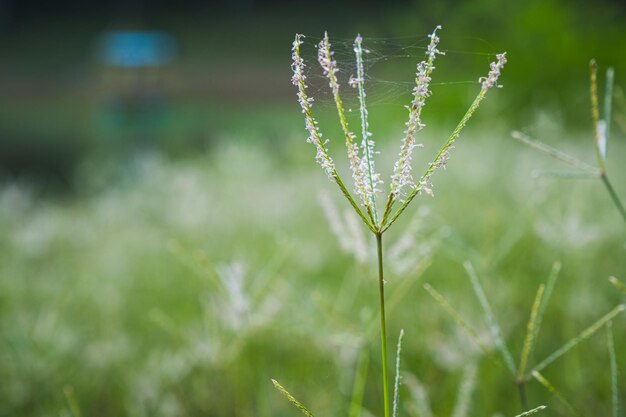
point(490, 318)
point(358, 388)
point(554, 274)
point(533, 411)
point(471, 333)
point(70, 397)
point(553, 152)
point(585, 334)
point(291, 399)
point(595, 114)
point(420, 405)
point(608, 99)
point(466, 389)
point(563, 174)
point(530, 333)
point(552, 390)
point(614, 196)
point(396, 382)
point(614, 371)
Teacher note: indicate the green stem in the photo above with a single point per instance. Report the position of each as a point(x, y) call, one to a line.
point(383, 327)
point(613, 194)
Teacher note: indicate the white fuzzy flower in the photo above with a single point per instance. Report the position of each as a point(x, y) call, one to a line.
point(402, 175)
point(492, 78)
point(329, 66)
point(367, 144)
point(315, 137)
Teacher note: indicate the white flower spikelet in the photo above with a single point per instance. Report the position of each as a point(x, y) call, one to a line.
point(315, 136)
point(441, 161)
point(367, 144)
point(492, 78)
point(329, 66)
point(402, 171)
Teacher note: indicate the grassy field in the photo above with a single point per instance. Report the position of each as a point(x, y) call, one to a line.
point(182, 287)
point(169, 246)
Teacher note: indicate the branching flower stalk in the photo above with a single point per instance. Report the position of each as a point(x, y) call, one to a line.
point(367, 182)
point(601, 135)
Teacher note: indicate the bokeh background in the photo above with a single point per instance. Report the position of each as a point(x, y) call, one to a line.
point(166, 246)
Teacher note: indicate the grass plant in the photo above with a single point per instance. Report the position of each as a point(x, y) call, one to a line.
point(602, 130)
point(521, 374)
point(367, 181)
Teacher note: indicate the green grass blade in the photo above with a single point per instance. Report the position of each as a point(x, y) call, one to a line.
point(530, 333)
point(619, 285)
point(554, 275)
point(471, 333)
point(396, 382)
point(553, 152)
point(584, 335)
point(595, 112)
point(533, 411)
point(420, 405)
point(614, 197)
point(466, 389)
point(353, 203)
point(494, 328)
point(614, 371)
point(291, 399)
point(358, 387)
point(575, 175)
point(70, 397)
point(608, 99)
point(552, 390)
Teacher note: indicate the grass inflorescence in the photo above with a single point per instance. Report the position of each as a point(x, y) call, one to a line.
point(367, 182)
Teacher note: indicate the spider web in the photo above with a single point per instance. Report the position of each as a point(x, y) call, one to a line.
point(390, 65)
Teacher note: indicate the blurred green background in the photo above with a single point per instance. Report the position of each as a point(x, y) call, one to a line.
point(163, 249)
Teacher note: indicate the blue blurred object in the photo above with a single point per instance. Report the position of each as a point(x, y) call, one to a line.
point(137, 49)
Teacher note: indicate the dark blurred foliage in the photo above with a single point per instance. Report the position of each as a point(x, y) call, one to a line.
point(230, 77)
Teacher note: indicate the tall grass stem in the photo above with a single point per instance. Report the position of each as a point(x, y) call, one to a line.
point(383, 325)
point(494, 327)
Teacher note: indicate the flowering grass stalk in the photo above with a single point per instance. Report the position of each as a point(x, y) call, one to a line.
point(367, 181)
point(601, 135)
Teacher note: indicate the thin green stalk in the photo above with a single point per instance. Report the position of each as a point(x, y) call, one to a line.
point(614, 196)
point(552, 390)
point(72, 404)
point(529, 341)
point(353, 203)
point(533, 411)
point(396, 382)
point(554, 274)
point(383, 326)
point(595, 114)
point(291, 399)
point(433, 165)
point(608, 100)
point(528, 346)
point(585, 334)
point(358, 388)
point(613, 360)
point(358, 50)
point(456, 316)
point(494, 327)
point(553, 152)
